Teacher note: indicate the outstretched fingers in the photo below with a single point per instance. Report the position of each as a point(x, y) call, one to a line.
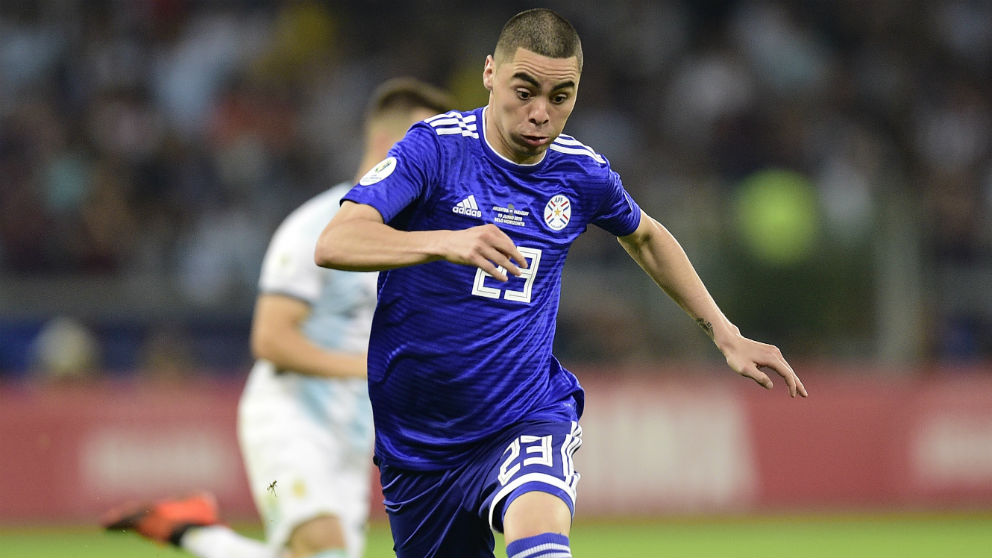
point(755, 373)
point(751, 359)
point(782, 368)
point(800, 388)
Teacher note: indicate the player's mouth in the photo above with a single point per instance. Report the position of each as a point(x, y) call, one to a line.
point(535, 141)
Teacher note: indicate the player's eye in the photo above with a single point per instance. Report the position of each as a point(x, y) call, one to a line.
point(523, 94)
point(559, 99)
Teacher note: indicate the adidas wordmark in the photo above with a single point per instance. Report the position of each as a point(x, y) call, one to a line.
point(467, 207)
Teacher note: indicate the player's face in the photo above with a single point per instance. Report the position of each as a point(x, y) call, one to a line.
point(530, 98)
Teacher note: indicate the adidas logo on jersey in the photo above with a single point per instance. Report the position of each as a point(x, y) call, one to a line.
point(467, 207)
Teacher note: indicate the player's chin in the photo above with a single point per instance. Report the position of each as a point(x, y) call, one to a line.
point(532, 148)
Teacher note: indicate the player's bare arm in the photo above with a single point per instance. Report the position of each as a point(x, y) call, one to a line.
point(357, 239)
point(654, 248)
point(277, 336)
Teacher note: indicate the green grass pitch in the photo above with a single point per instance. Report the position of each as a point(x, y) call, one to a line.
point(835, 536)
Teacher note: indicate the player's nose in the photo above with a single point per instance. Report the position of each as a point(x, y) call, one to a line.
point(539, 112)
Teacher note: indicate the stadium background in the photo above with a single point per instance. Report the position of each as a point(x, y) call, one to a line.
point(827, 166)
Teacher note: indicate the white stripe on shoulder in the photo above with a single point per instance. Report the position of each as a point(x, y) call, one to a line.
point(450, 114)
point(454, 123)
point(567, 139)
point(570, 145)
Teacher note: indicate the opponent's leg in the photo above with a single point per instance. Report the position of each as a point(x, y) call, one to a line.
point(190, 523)
point(166, 520)
point(218, 541)
point(321, 536)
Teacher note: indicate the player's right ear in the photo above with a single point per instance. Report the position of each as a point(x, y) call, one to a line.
point(487, 73)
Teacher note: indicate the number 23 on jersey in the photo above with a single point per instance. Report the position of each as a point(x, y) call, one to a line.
point(480, 288)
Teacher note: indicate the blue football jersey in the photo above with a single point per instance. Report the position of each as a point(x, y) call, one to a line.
point(455, 355)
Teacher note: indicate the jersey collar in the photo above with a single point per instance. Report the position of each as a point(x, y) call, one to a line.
point(499, 159)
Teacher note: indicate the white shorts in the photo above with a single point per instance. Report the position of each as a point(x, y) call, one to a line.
point(307, 448)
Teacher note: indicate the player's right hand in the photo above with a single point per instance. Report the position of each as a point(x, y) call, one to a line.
point(487, 248)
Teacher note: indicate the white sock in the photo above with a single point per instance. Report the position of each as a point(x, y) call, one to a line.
point(219, 541)
point(545, 545)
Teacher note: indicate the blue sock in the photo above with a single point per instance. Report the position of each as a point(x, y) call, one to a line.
point(544, 545)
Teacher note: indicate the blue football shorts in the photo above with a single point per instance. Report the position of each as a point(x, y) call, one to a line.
point(454, 512)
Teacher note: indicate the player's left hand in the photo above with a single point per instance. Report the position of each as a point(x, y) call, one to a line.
point(748, 357)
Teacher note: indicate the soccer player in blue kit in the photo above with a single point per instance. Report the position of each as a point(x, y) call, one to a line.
point(469, 220)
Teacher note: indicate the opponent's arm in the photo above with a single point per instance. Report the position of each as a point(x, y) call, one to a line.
point(277, 336)
point(357, 239)
point(654, 248)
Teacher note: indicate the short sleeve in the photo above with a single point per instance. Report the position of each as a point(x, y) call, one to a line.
point(288, 267)
point(618, 214)
point(403, 177)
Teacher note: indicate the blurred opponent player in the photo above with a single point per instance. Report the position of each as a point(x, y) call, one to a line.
point(304, 420)
point(469, 220)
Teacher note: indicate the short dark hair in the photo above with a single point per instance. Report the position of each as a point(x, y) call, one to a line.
point(541, 31)
point(405, 94)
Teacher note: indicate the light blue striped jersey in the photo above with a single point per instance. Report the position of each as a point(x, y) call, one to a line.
point(340, 317)
point(455, 355)
point(341, 302)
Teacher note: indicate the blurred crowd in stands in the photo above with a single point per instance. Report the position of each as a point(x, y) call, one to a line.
point(827, 165)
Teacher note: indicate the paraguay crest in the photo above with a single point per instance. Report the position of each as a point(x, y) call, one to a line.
point(558, 212)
